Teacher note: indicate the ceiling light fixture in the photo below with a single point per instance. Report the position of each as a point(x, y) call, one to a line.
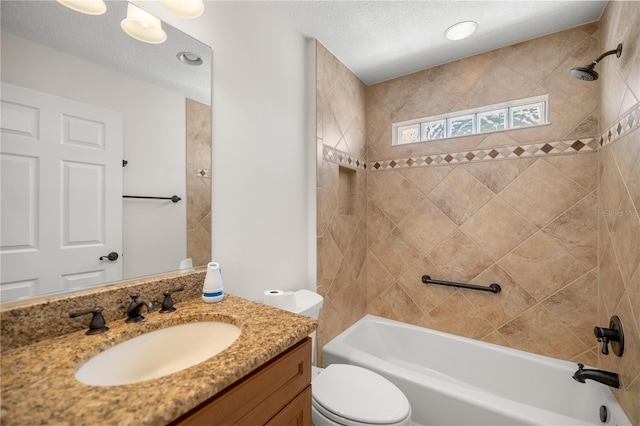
point(184, 8)
point(143, 26)
point(189, 58)
point(461, 30)
point(89, 7)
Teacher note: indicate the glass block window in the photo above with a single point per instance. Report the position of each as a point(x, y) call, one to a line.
point(492, 121)
point(433, 130)
point(527, 115)
point(490, 118)
point(409, 134)
point(462, 125)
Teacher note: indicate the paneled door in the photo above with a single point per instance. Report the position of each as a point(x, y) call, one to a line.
point(61, 194)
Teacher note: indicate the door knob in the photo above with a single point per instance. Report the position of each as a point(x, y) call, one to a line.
point(111, 256)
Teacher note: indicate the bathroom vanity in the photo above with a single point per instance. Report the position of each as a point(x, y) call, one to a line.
point(262, 378)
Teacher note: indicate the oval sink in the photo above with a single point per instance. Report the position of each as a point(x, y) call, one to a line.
point(158, 353)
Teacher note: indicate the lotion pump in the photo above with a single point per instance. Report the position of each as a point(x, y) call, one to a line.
point(212, 291)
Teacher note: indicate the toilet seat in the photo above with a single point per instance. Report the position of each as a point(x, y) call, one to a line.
point(354, 396)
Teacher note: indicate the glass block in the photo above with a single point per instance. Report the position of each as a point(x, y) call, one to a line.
point(409, 134)
point(462, 125)
point(434, 130)
point(492, 121)
point(527, 115)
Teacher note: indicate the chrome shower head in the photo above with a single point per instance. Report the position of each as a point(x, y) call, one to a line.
point(587, 73)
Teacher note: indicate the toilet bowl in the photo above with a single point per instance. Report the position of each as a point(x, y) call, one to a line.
point(348, 395)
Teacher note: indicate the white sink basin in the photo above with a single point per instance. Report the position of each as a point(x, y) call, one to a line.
point(158, 353)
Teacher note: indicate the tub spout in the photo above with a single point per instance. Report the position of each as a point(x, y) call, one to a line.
point(605, 377)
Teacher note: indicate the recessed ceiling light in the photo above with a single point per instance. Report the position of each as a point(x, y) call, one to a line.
point(461, 30)
point(189, 58)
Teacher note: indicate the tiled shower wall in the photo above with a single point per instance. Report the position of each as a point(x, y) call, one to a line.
point(341, 192)
point(198, 182)
point(618, 216)
point(517, 208)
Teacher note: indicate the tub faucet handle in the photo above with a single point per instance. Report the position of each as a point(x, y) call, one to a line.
point(613, 334)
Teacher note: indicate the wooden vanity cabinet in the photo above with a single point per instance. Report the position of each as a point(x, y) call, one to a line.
point(278, 393)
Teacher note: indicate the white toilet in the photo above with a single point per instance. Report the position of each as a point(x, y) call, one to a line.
point(347, 395)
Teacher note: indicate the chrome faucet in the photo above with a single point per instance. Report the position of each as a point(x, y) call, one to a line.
point(135, 306)
point(601, 376)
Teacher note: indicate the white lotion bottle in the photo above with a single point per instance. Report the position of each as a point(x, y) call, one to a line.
point(213, 289)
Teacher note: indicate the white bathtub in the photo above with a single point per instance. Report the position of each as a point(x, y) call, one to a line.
point(452, 380)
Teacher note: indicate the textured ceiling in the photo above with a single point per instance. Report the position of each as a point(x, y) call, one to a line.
point(380, 40)
point(99, 39)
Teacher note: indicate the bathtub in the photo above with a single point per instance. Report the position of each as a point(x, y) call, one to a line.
point(452, 380)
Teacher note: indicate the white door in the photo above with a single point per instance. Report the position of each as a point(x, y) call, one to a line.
point(61, 193)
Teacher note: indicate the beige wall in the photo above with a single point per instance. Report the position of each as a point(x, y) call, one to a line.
point(509, 213)
point(618, 218)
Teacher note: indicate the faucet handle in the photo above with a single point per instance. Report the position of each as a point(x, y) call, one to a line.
point(167, 302)
point(613, 334)
point(97, 324)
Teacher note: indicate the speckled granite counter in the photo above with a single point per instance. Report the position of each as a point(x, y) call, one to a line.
point(38, 384)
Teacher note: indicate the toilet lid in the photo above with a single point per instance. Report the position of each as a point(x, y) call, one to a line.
point(358, 394)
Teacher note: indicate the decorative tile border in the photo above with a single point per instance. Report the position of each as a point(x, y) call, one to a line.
point(625, 125)
point(489, 154)
point(341, 157)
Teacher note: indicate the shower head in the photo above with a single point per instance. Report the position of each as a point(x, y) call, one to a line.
point(587, 73)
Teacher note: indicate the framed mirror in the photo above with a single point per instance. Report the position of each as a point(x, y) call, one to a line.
point(101, 135)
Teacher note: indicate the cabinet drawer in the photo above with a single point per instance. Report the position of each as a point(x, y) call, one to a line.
point(258, 397)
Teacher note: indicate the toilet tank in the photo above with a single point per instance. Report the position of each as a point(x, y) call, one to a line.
point(308, 303)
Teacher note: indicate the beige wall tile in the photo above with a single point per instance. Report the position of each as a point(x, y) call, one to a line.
point(502, 307)
point(470, 323)
point(579, 168)
point(395, 304)
point(625, 238)
point(396, 252)
point(426, 296)
point(576, 230)
point(496, 175)
point(460, 195)
point(541, 193)
point(426, 178)
point(396, 197)
point(378, 278)
point(423, 237)
point(498, 228)
point(459, 258)
point(575, 304)
point(531, 332)
point(541, 266)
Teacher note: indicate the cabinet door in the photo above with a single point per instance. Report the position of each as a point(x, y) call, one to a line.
point(297, 413)
point(262, 395)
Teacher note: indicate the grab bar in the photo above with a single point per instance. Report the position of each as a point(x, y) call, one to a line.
point(173, 198)
point(493, 288)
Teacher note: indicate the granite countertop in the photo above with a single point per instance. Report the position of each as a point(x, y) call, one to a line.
point(39, 387)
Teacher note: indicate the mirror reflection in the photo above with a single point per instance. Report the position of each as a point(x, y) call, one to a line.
point(89, 115)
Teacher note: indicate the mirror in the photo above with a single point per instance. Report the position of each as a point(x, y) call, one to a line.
point(64, 57)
